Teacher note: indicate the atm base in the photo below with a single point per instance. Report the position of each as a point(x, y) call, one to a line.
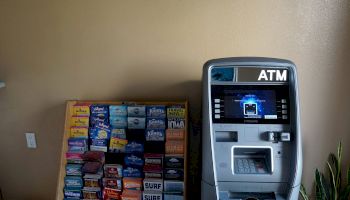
point(208, 191)
point(250, 196)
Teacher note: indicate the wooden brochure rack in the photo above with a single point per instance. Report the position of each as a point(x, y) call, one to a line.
point(69, 113)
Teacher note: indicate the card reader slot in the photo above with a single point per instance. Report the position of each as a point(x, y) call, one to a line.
point(226, 136)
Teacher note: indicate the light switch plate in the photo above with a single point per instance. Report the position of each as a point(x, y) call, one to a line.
point(31, 141)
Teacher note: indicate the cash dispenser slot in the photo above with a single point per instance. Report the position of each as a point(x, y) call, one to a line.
point(226, 136)
point(252, 160)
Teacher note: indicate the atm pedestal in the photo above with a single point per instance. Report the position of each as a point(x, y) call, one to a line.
point(251, 132)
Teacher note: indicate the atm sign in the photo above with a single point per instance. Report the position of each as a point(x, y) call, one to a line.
point(272, 75)
point(261, 74)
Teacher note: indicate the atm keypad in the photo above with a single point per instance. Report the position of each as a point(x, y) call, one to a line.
point(250, 166)
point(246, 166)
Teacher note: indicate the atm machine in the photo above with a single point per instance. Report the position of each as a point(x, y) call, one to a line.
point(251, 141)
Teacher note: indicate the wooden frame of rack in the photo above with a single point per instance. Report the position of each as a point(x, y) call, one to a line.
point(64, 148)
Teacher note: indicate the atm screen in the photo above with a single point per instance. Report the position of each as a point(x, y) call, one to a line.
point(250, 104)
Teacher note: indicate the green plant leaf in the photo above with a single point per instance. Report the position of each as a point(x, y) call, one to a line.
point(332, 166)
point(338, 174)
point(340, 151)
point(329, 188)
point(303, 192)
point(344, 195)
point(332, 182)
point(348, 177)
point(326, 187)
point(319, 194)
point(320, 186)
point(333, 161)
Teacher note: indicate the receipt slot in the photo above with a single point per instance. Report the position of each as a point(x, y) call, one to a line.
point(251, 132)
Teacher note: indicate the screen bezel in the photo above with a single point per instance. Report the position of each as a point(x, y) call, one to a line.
point(281, 91)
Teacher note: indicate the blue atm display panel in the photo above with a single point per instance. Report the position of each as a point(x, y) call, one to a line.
point(263, 104)
point(222, 74)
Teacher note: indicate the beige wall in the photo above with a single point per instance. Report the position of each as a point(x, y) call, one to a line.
point(52, 51)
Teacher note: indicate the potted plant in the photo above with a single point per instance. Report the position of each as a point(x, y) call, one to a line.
point(329, 187)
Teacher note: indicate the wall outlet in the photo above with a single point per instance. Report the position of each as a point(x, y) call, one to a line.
point(31, 142)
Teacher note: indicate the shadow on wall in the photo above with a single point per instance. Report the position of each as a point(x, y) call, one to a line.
point(342, 83)
point(188, 90)
point(50, 125)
